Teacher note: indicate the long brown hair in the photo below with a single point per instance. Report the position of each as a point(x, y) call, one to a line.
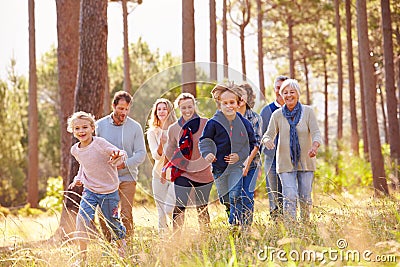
point(154, 121)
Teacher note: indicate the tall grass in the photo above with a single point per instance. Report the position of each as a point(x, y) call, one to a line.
point(346, 219)
point(366, 224)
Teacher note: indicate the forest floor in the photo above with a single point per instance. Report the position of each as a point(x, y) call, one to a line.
point(345, 230)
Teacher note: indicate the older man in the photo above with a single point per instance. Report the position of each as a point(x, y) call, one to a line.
point(274, 185)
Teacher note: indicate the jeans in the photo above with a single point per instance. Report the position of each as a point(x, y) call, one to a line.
point(229, 185)
point(297, 186)
point(249, 185)
point(274, 188)
point(108, 204)
point(164, 197)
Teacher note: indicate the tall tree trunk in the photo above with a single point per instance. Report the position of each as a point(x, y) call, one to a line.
point(188, 48)
point(394, 134)
point(291, 47)
point(260, 52)
point(363, 112)
point(307, 81)
point(397, 34)
point(33, 139)
point(127, 76)
point(107, 98)
point(382, 102)
point(67, 54)
point(244, 7)
point(225, 39)
point(378, 170)
point(92, 72)
point(213, 42)
point(353, 114)
point(326, 105)
point(339, 72)
point(243, 53)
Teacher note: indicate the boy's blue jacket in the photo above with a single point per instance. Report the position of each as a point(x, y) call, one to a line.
point(221, 138)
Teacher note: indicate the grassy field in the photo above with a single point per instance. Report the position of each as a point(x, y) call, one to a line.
point(345, 230)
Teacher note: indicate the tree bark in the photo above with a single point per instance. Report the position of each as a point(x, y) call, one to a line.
point(33, 139)
point(290, 23)
point(339, 72)
point(213, 42)
point(307, 81)
point(188, 48)
point(244, 8)
point(127, 77)
point(382, 102)
point(225, 39)
point(326, 105)
point(260, 52)
point(363, 112)
point(92, 72)
point(67, 54)
point(353, 113)
point(394, 134)
point(67, 58)
point(376, 158)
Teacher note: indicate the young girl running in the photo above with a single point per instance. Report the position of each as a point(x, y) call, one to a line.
point(98, 174)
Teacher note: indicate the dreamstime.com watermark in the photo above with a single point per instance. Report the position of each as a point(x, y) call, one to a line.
point(323, 256)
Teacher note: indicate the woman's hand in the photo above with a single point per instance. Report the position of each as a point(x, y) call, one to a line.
point(231, 158)
point(314, 150)
point(163, 175)
point(163, 138)
point(210, 158)
point(269, 144)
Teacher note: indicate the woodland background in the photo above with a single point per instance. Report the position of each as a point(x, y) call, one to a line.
point(346, 55)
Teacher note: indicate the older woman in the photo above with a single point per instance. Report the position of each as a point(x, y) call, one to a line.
point(298, 143)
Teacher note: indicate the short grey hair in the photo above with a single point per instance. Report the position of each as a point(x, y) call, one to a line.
point(280, 78)
point(292, 83)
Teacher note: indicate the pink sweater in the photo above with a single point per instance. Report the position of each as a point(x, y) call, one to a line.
point(95, 172)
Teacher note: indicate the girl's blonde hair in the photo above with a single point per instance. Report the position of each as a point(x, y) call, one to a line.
point(154, 121)
point(80, 115)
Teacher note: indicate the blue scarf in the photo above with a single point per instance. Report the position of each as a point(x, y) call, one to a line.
point(293, 118)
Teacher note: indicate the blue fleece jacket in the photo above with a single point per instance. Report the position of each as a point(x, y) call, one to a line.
point(221, 138)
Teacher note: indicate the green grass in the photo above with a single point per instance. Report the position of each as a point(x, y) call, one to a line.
point(362, 222)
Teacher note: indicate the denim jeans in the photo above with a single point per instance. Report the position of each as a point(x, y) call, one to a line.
point(274, 188)
point(297, 186)
point(108, 204)
point(229, 186)
point(249, 185)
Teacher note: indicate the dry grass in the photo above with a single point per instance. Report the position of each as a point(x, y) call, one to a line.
point(366, 224)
